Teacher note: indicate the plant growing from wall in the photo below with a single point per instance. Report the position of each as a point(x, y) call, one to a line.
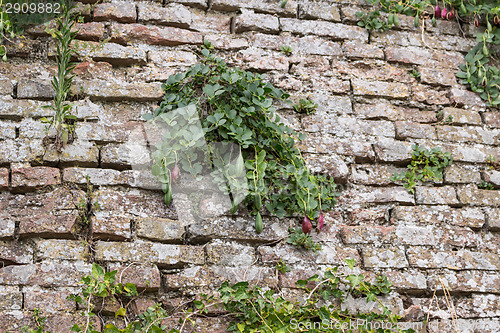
point(425, 165)
point(250, 308)
point(236, 106)
point(63, 121)
point(481, 69)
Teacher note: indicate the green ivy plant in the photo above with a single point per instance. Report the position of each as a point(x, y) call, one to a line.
point(425, 165)
point(236, 106)
point(485, 185)
point(481, 69)
point(249, 308)
point(63, 121)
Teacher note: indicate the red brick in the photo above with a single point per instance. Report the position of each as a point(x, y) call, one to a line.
point(169, 36)
point(4, 177)
point(47, 225)
point(144, 277)
point(28, 177)
point(89, 31)
point(123, 12)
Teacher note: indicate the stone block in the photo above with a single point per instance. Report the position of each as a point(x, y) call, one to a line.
point(322, 28)
point(123, 12)
point(420, 257)
point(169, 36)
point(4, 178)
point(10, 298)
point(384, 258)
point(160, 229)
point(445, 195)
point(35, 89)
point(457, 116)
point(406, 129)
point(61, 249)
point(250, 21)
point(461, 174)
point(145, 277)
point(16, 252)
point(49, 300)
point(225, 253)
point(318, 10)
point(45, 274)
point(152, 253)
point(109, 226)
point(471, 195)
point(380, 89)
point(173, 14)
point(32, 177)
point(369, 174)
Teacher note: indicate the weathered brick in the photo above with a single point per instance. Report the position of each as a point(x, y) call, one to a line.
point(4, 178)
point(443, 27)
point(375, 215)
point(322, 28)
point(241, 228)
point(346, 126)
point(28, 177)
point(266, 6)
point(466, 325)
point(307, 44)
point(462, 97)
point(229, 254)
point(315, 10)
point(368, 174)
point(407, 280)
point(456, 116)
point(62, 249)
point(35, 89)
point(493, 218)
point(425, 94)
point(371, 70)
point(45, 274)
point(474, 154)
point(227, 42)
point(380, 88)
point(423, 56)
point(192, 3)
point(49, 300)
point(384, 110)
point(7, 130)
point(93, 31)
point(159, 229)
point(461, 174)
point(384, 258)
point(138, 203)
point(401, 234)
point(309, 65)
point(407, 129)
point(471, 195)
point(405, 38)
point(116, 11)
point(249, 21)
point(111, 226)
point(468, 134)
point(6, 87)
point(492, 177)
point(126, 33)
point(16, 252)
point(115, 54)
point(202, 276)
point(465, 281)
point(144, 277)
point(174, 14)
point(357, 49)
point(360, 149)
point(83, 153)
point(10, 298)
point(165, 254)
point(435, 76)
point(378, 195)
point(445, 195)
point(389, 150)
point(211, 22)
point(14, 320)
point(425, 258)
point(330, 164)
point(44, 224)
point(492, 119)
point(169, 58)
point(107, 90)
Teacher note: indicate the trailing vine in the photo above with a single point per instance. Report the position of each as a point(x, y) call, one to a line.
point(236, 106)
point(481, 69)
point(63, 121)
point(249, 308)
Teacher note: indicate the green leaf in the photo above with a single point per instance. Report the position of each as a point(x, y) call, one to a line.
point(97, 271)
point(350, 263)
point(120, 312)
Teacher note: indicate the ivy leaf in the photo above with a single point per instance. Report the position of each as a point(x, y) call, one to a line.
point(350, 263)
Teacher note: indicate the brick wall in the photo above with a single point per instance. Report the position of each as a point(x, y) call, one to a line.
point(371, 110)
